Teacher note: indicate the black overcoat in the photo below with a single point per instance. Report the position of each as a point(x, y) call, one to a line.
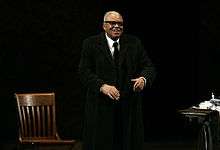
point(96, 68)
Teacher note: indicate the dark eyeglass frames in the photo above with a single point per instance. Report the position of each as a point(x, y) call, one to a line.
point(113, 23)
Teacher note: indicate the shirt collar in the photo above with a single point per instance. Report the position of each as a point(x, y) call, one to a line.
point(110, 41)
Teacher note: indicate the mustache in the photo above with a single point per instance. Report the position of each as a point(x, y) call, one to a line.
point(117, 28)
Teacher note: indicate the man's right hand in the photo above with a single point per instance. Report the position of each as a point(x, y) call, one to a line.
point(110, 91)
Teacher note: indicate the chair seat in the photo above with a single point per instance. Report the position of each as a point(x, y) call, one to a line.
point(48, 141)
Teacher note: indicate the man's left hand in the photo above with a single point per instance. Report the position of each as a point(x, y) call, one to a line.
point(138, 84)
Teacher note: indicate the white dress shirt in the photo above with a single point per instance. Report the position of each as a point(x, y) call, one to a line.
point(110, 44)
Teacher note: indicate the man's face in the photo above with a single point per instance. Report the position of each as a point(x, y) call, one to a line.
point(113, 26)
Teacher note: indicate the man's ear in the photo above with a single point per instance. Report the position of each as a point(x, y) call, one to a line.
point(104, 26)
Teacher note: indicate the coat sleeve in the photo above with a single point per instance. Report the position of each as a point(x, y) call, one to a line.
point(88, 77)
point(145, 65)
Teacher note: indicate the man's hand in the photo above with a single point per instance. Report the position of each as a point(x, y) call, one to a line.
point(138, 84)
point(110, 91)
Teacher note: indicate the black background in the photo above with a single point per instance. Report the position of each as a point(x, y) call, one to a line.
point(40, 45)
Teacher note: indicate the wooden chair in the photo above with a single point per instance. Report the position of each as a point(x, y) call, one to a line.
point(37, 120)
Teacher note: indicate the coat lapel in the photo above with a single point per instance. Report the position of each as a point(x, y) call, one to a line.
point(103, 46)
point(123, 50)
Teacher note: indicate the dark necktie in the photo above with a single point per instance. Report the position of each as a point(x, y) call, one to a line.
point(116, 60)
point(116, 53)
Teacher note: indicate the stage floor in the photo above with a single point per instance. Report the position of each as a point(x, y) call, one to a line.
point(162, 145)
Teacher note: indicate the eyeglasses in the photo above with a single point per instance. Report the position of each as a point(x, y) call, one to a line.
point(113, 23)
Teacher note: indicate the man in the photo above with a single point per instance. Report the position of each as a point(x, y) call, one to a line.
point(114, 76)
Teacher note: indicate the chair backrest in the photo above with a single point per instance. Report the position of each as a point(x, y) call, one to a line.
point(36, 116)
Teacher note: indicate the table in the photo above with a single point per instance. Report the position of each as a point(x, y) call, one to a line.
point(208, 120)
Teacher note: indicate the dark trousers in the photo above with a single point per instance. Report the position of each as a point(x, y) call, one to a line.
point(120, 124)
